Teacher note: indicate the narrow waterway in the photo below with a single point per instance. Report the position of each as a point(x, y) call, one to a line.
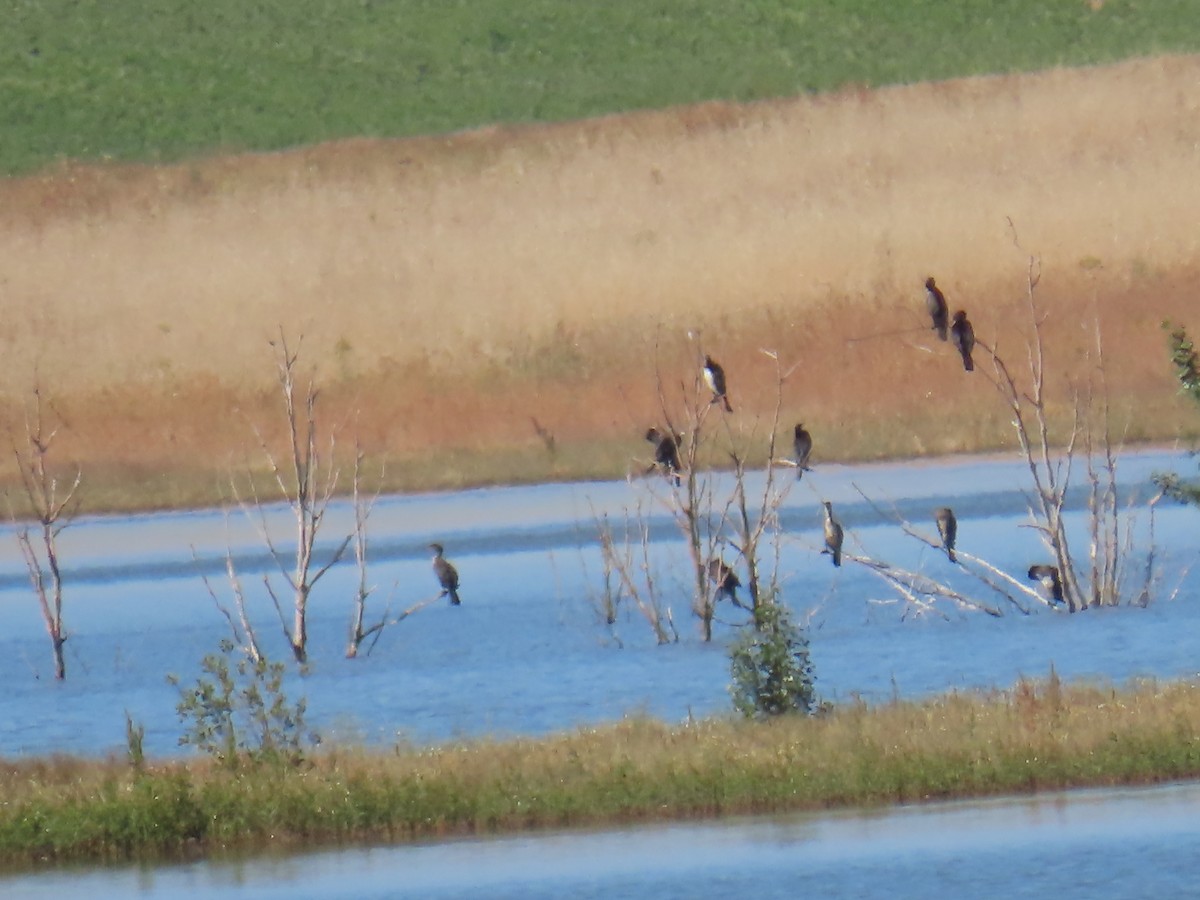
point(1094, 844)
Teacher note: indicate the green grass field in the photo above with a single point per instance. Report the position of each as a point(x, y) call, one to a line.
point(145, 81)
point(1034, 737)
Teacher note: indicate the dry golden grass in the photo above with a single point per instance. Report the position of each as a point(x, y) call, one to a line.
point(511, 274)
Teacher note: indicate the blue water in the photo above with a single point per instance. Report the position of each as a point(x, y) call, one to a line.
point(526, 652)
point(1091, 845)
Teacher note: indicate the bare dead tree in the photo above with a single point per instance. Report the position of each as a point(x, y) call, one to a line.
point(628, 557)
point(1050, 477)
point(686, 494)
point(53, 508)
point(1051, 466)
point(751, 527)
point(690, 503)
point(705, 523)
point(607, 599)
point(241, 628)
point(1052, 461)
point(306, 480)
point(359, 631)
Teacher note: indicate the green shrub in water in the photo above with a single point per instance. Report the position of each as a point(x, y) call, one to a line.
point(237, 711)
point(771, 670)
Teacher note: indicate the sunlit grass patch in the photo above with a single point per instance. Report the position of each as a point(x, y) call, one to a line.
point(146, 83)
point(1037, 735)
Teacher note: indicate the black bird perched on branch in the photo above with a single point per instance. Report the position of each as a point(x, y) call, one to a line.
point(964, 339)
point(725, 579)
point(947, 526)
point(714, 377)
point(1050, 579)
point(666, 452)
point(833, 535)
point(935, 302)
point(802, 443)
point(447, 575)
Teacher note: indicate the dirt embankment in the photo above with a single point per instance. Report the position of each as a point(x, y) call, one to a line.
point(452, 290)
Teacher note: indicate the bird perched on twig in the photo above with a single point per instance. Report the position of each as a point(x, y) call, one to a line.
point(1050, 580)
point(447, 575)
point(935, 302)
point(947, 526)
point(725, 580)
point(714, 377)
point(964, 339)
point(666, 452)
point(802, 443)
point(833, 535)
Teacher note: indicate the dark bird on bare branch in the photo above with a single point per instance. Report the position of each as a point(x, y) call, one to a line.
point(447, 575)
point(802, 443)
point(833, 535)
point(666, 452)
point(935, 302)
point(947, 526)
point(1050, 580)
point(714, 377)
point(725, 580)
point(964, 339)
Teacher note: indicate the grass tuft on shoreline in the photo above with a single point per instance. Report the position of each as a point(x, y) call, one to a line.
point(1035, 736)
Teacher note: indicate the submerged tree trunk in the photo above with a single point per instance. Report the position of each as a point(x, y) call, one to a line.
point(53, 512)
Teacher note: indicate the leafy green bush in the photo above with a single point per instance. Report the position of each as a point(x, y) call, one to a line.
point(770, 665)
point(1186, 363)
point(237, 712)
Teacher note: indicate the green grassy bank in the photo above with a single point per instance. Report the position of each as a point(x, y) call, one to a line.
point(144, 81)
point(1036, 736)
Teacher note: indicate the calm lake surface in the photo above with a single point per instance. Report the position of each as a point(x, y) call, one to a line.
point(1101, 844)
point(526, 653)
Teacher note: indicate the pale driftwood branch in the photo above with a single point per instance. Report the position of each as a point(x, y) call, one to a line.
point(244, 637)
point(363, 505)
point(278, 608)
point(619, 558)
point(912, 531)
point(766, 512)
point(912, 584)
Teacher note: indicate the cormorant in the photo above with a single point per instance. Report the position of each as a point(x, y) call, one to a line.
point(714, 377)
point(725, 580)
point(935, 302)
point(1049, 577)
point(447, 575)
point(833, 535)
point(947, 526)
point(964, 339)
point(803, 444)
point(666, 452)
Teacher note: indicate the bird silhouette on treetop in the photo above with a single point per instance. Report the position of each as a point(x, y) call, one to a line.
point(714, 377)
point(834, 535)
point(947, 526)
point(935, 302)
point(1050, 579)
point(447, 575)
point(964, 339)
point(666, 453)
point(725, 580)
point(802, 444)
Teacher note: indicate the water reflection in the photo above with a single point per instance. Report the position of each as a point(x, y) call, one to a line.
point(1093, 844)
